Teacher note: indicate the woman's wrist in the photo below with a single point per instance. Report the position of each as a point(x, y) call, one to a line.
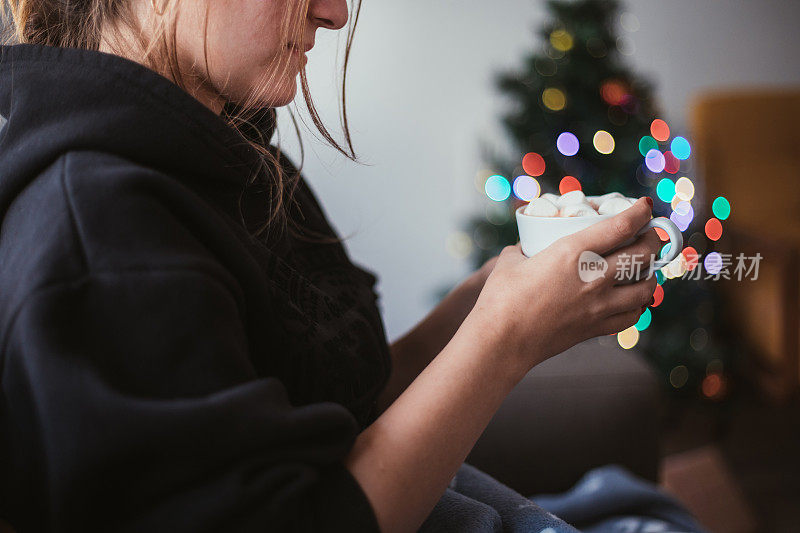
point(490, 329)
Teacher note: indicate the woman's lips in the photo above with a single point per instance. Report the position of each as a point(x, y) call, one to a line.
point(298, 51)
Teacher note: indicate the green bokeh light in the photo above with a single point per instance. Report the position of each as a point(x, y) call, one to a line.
point(721, 208)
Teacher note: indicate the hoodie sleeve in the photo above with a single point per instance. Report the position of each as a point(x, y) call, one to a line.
point(114, 446)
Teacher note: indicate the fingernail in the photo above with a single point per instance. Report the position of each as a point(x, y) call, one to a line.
point(649, 201)
point(652, 300)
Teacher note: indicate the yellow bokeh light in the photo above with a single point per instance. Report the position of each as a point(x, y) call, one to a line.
point(603, 142)
point(678, 376)
point(554, 99)
point(628, 338)
point(684, 188)
point(561, 40)
point(675, 268)
point(459, 244)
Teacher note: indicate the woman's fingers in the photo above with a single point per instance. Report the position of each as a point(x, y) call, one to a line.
point(620, 322)
point(633, 261)
point(630, 297)
point(611, 233)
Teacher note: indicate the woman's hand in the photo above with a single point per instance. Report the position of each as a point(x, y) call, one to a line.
point(543, 306)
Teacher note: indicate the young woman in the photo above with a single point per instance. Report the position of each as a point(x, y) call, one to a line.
point(185, 344)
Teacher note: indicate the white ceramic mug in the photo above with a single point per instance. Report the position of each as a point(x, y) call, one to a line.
point(537, 233)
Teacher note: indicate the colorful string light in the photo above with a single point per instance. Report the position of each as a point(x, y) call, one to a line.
point(603, 142)
point(561, 40)
point(497, 188)
point(721, 207)
point(533, 164)
point(569, 183)
point(554, 99)
point(628, 338)
point(684, 188)
point(713, 229)
point(665, 190)
point(567, 143)
point(654, 160)
point(659, 130)
point(646, 144)
point(680, 148)
point(526, 188)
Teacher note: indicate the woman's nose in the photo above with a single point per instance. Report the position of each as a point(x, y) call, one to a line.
point(330, 14)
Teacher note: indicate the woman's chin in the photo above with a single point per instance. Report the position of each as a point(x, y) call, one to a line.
point(280, 98)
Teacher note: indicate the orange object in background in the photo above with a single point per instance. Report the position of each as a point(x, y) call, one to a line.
point(746, 146)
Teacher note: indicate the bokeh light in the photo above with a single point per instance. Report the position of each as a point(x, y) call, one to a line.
point(567, 143)
point(678, 376)
point(680, 148)
point(671, 163)
point(712, 386)
point(655, 161)
point(684, 188)
point(458, 244)
point(683, 215)
point(675, 268)
point(644, 320)
point(665, 190)
point(713, 229)
point(658, 296)
point(629, 22)
point(613, 92)
point(561, 40)
point(497, 188)
point(526, 188)
point(497, 213)
point(533, 164)
point(603, 142)
point(659, 130)
point(692, 257)
point(554, 99)
point(713, 263)
point(628, 338)
point(485, 236)
point(646, 144)
point(626, 46)
point(698, 339)
point(721, 207)
point(569, 183)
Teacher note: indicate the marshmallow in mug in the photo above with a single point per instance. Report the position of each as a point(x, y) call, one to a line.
point(576, 204)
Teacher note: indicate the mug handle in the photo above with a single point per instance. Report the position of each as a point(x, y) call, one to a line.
point(675, 239)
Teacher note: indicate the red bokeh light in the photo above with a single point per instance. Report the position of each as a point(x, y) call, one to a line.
point(658, 296)
point(613, 92)
point(533, 164)
point(659, 130)
point(671, 163)
point(692, 257)
point(713, 229)
point(569, 183)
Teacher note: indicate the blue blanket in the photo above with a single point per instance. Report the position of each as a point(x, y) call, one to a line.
point(605, 500)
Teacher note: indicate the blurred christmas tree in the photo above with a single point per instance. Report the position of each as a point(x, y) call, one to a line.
point(580, 119)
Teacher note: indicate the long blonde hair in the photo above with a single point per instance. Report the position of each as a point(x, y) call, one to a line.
point(80, 23)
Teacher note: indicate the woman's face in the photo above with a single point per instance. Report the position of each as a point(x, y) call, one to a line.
point(247, 48)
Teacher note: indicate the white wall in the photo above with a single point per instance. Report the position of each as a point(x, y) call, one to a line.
point(421, 98)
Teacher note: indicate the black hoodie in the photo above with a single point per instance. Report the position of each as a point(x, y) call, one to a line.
point(161, 369)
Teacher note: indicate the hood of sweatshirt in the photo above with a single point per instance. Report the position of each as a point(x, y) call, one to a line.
point(61, 99)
